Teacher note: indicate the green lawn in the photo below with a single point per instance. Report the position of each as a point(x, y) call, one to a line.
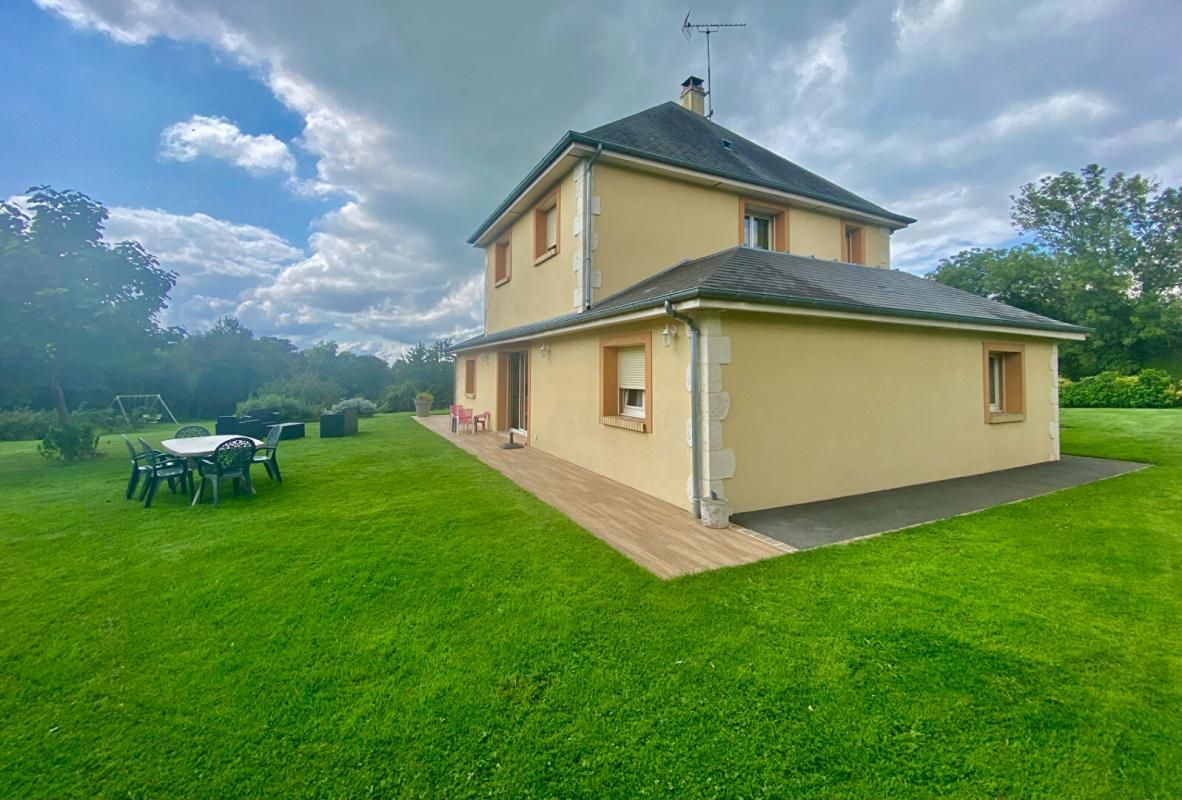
point(398, 620)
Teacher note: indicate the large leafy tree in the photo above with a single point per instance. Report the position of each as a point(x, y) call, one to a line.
point(1103, 251)
point(72, 303)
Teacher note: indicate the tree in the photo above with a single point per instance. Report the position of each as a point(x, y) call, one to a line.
point(1105, 252)
point(71, 302)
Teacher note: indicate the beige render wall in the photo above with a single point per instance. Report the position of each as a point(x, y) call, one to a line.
point(823, 409)
point(564, 413)
point(648, 223)
point(535, 292)
point(485, 396)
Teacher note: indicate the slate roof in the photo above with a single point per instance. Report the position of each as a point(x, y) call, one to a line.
point(688, 139)
point(782, 279)
point(673, 135)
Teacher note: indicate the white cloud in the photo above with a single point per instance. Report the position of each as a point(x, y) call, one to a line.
point(919, 24)
point(824, 61)
point(218, 137)
point(1056, 110)
point(198, 244)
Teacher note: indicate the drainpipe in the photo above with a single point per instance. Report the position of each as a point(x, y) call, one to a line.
point(588, 196)
point(695, 404)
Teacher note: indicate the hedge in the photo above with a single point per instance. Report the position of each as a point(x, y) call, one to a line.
point(1150, 388)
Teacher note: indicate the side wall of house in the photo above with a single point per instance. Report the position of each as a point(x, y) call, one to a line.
point(485, 396)
point(539, 291)
point(823, 409)
point(565, 421)
point(564, 404)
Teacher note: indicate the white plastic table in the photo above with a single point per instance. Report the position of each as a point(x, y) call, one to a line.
point(199, 446)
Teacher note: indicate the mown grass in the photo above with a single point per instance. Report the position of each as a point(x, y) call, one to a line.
point(398, 620)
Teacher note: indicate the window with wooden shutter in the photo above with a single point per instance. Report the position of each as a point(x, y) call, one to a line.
point(630, 374)
point(502, 263)
point(470, 377)
point(626, 382)
point(1004, 382)
point(546, 220)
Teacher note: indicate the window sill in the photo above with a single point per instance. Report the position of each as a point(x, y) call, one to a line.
point(637, 424)
point(501, 282)
point(470, 395)
point(999, 417)
point(545, 256)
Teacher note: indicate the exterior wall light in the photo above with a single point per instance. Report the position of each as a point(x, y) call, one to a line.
point(669, 334)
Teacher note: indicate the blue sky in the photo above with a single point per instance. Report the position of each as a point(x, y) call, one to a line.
point(315, 168)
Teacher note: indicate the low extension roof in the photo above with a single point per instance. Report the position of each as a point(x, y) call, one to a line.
point(670, 134)
point(782, 279)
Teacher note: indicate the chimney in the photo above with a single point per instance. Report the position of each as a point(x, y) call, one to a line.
point(693, 96)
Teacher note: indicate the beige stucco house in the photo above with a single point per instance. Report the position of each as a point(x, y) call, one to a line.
point(674, 307)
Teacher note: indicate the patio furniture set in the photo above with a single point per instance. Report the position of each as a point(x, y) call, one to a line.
point(194, 452)
point(466, 418)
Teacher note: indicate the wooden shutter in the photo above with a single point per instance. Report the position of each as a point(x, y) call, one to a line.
point(470, 376)
point(630, 368)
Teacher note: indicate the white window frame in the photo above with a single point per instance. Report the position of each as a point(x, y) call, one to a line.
point(749, 228)
point(997, 383)
point(630, 409)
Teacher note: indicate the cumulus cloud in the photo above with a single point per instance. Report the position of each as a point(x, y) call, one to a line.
point(218, 137)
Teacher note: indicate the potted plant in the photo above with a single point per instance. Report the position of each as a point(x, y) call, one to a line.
point(423, 402)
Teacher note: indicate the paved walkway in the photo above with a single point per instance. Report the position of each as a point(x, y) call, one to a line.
point(847, 518)
point(658, 536)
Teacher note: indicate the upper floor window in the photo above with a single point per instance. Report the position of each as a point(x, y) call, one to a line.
point(502, 262)
point(546, 227)
point(851, 244)
point(763, 227)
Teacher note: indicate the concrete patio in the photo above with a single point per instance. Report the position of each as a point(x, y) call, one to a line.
point(845, 519)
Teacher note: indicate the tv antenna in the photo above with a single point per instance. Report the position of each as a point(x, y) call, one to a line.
point(687, 28)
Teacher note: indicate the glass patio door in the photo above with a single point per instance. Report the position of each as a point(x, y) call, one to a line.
point(518, 380)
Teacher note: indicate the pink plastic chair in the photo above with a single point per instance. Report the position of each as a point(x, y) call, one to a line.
point(464, 419)
point(455, 415)
point(481, 420)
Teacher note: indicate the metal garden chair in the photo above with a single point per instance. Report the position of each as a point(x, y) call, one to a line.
point(166, 467)
point(190, 432)
point(141, 464)
point(268, 454)
point(231, 459)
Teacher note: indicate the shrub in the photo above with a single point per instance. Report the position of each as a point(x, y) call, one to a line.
point(365, 408)
point(24, 424)
point(70, 442)
point(104, 420)
point(307, 387)
point(1150, 388)
point(290, 409)
point(399, 397)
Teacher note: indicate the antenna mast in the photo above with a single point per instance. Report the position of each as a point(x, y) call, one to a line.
point(688, 28)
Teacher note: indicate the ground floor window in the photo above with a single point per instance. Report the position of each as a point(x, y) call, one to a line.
point(1004, 380)
point(626, 382)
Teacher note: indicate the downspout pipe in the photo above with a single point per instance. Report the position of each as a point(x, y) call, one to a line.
point(588, 197)
point(695, 403)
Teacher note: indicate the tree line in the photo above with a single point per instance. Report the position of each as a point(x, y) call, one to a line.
point(80, 322)
point(1100, 251)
